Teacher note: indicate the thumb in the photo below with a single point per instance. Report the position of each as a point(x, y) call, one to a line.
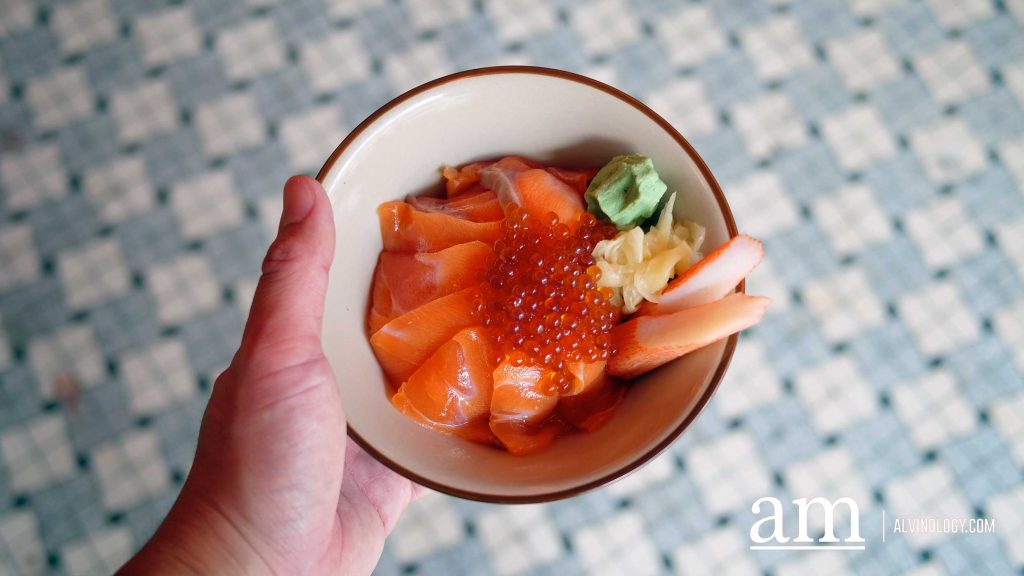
point(287, 310)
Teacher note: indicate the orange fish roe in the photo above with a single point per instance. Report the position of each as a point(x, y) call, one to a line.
point(540, 296)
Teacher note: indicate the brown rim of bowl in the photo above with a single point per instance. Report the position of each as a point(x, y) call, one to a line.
point(730, 225)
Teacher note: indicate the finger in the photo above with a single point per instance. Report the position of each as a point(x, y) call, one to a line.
point(287, 310)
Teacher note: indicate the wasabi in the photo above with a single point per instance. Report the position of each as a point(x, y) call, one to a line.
point(626, 191)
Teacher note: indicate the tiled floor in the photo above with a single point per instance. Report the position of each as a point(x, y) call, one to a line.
point(877, 146)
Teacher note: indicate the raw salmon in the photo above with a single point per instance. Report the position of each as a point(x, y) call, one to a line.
point(536, 190)
point(404, 281)
point(451, 391)
point(403, 344)
point(578, 180)
point(646, 342)
point(405, 229)
point(476, 204)
point(520, 415)
point(711, 278)
point(458, 180)
point(589, 409)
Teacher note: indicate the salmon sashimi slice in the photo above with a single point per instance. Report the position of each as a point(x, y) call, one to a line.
point(404, 344)
point(459, 180)
point(520, 414)
point(405, 229)
point(711, 278)
point(535, 190)
point(405, 281)
point(586, 373)
point(451, 391)
point(589, 409)
point(646, 342)
point(578, 180)
point(477, 205)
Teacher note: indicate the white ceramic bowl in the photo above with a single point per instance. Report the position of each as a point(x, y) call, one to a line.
point(549, 115)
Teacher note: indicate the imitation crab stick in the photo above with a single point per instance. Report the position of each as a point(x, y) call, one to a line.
point(711, 278)
point(404, 281)
point(403, 344)
point(646, 342)
point(406, 229)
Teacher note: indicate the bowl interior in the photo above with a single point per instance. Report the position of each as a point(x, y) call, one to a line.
point(549, 118)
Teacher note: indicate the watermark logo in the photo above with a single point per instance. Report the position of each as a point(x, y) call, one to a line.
point(768, 532)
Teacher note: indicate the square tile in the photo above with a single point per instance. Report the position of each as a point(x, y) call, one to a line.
point(751, 381)
point(207, 204)
point(685, 105)
point(19, 533)
point(729, 472)
point(1012, 155)
point(844, 304)
point(517, 20)
point(858, 137)
point(37, 454)
point(761, 205)
point(831, 563)
point(720, 552)
point(769, 124)
point(831, 474)
point(251, 49)
point(19, 15)
point(183, 288)
point(1007, 511)
point(938, 318)
point(93, 274)
point(144, 111)
point(33, 176)
point(948, 150)
point(421, 62)
point(158, 376)
point(120, 189)
point(168, 35)
point(101, 552)
point(66, 360)
point(777, 47)
point(518, 538)
point(130, 470)
point(84, 24)
point(766, 281)
point(960, 13)
point(1013, 77)
point(982, 465)
point(836, 394)
point(427, 15)
point(334, 61)
point(310, 136)
point(928, 492)
point(60, 98)
point(690, 35)
point(934, 410)
point(852, 219)
point(603, 25)
point(1009, 325)
point(229, 124)
point(882, 448)
point(944, 233)
point(863, 60)
point(19, 258)
point(617, 545)
point(651, 474)
point(427, 525)
point(951, 72)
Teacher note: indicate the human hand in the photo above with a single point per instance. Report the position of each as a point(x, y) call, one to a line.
point(276, 487)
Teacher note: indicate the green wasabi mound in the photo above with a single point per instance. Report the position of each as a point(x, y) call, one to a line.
point(626, 191)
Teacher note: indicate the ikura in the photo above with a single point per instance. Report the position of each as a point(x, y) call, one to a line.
point(540, 298)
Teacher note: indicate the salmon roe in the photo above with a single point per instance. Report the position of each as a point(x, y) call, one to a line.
point(541, 300)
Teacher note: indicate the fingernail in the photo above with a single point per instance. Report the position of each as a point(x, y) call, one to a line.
point(299, 197)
